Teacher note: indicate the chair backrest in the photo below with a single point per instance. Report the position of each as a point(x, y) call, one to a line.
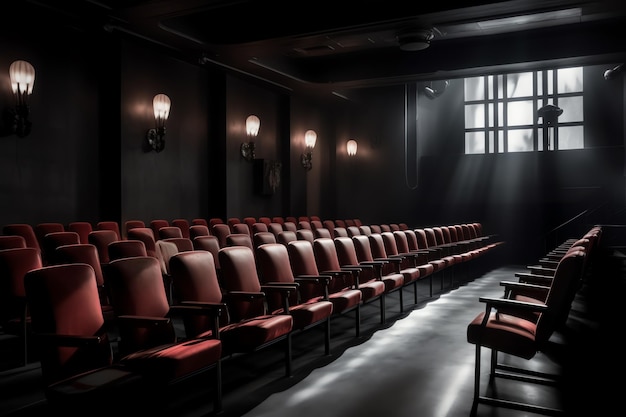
point(376, 228)
point(340, 223)
point(265, 219)
point(81, 253)
point(363, 248)
point(422, 239)
point(25, 230)
point(195, 278)
point(259, 227)
point(384, 227)
point(365, 230)
point(261, 238)
point(322, 232)
point(353, 231)
point(53, 240)
point(411, 239)
point(221, 230)
point(156, 225)
point(209, 244)
point(146, 235)
point(402, 242)
point(290, 226)
point(64, 300)
point(43, 229)
point(183, 225)
point(286, 236)
point(377, 245)
point(291, 219)
point(126, 249)
point(101, 240)
point(12, 242)
point(316, 224)
point(14, 264)
point(274, 266)
point(304, 224)
point(136, 288)
point(340, 231)
point(389, 241)
point(169, 232)
point(239, 273)
point(110, 225)
point(562, 291)
point(200, 221)
point(275, 228)
point(278, 219)
point(240, 228)
point(215, 220)
point(305, 234)
point(196, 230)
point(326, 255)
point(329, 224)
point(350, 222)
point(131, 224)
point(302, 258)
point(82, 228)
point(183, 244)
point(249, 221)
point(240, 239)
point(346, 251)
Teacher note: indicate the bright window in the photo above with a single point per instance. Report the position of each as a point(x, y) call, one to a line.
point(501, 111)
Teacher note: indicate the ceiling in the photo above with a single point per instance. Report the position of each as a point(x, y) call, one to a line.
point(327, 47)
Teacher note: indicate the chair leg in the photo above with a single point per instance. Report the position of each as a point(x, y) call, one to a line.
point(476, 381)
point(327, 337)
point(415, 292)
point(217, 401)
point(401, 299)
point(382, 309)
point(358, 320)
point(288, 355)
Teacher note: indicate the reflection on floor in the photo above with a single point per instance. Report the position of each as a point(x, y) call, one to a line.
point(417, 364)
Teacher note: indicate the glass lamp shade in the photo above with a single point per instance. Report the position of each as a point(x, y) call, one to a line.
point(351, 147)
point(310, 137)
point(253, 123)
point(161, 104)
point(22, 75)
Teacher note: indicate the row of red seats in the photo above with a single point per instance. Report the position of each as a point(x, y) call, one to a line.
point(350, 280)
point(521, 322)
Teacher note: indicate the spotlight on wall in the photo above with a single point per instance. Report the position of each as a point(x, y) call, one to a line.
point(310, 137)
point(351, 147)
point(22, 75)
point(433, 91)
point(156, 136)
point(253, 123)
point(613, 73)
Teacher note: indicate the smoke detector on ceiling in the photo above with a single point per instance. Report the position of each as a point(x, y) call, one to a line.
point(415, 39)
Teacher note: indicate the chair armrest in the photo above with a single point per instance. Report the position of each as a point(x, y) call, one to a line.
point(143, 321)
point(66, 340)
point(511, 305)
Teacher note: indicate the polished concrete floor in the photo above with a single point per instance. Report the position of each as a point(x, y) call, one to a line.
point(416, 364)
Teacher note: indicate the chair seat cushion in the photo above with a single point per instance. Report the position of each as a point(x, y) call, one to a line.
point(177, 360)
point(410, 275)
point(372, 289)
point(426, 269)
point(345, 300)
point(248, 335)
point(504, 333)
point(309, 313)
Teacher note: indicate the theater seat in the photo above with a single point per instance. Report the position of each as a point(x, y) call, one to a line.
point(505, 328)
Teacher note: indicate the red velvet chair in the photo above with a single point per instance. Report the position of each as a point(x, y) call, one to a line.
point(247, 302)
point(183, 225)
point(131, 224)
point(196, 230)
point(168, 232)
point(14, 311)
point(110, 225)
point(12, 242)
point(82, 228)
point(53, 240)
point(156, 225)
point(506, 329)
point(342, 294)
point(25, 230)
point(327, 260)
point(88, 254)
point(372, 270)
point(221, 230)
point(126, 249)
point(101, 240)
point(148, 341)
point(275, 269)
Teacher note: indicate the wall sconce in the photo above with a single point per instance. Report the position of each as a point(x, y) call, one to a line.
point(253, 123)
point(22, 76)
point(310, 137)
point(156, 136)
point(351, 147)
